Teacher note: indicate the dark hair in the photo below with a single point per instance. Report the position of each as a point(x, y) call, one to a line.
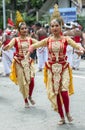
point(20, 24)
point(38, 24)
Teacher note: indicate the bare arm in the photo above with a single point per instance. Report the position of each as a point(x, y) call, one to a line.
point(10, 45)
point(34, 40)
point(38, 44)
point(75, 45)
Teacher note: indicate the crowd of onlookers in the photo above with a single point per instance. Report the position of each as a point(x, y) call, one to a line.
point(74, 30)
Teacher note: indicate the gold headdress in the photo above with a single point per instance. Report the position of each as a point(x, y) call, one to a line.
point(18, 18)
point(56, 14)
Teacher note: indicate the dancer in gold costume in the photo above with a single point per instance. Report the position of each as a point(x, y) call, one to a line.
point(22, 68)
point(58, 74)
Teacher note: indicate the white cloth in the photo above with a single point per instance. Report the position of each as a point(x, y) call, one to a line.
point(7, 57)
point(42, 55)
point(69, 53)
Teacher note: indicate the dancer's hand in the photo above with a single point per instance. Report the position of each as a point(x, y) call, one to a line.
point(81, 51)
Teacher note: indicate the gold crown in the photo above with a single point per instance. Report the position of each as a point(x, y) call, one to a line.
point(56, 14)
point(19, 18)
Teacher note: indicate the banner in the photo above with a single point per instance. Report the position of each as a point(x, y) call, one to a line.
point(68, 14)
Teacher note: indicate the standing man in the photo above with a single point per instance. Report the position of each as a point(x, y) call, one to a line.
point(77, 37)
point(7, 56)
point(42, 53)
point(69, 50)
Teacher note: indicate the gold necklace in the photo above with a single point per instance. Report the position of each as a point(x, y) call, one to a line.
point(22, 38)
point(57, 38)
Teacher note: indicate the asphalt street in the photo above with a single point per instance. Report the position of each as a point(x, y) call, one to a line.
point(41, 116)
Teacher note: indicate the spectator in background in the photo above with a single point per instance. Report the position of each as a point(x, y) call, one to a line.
point(31, 33)
point(7, 56)
point(42, 53)
point(69, 50)
point(77, 37)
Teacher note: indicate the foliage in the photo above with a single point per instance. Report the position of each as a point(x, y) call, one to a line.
point(29, 19)
point(24, 6)
point(36, 3)
point(81, 21)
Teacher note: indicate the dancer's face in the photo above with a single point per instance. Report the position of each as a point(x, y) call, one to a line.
point(23, 30)
point(55, 27)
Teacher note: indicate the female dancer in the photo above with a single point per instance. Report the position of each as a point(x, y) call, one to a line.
point(58, 77)
point(22, 67)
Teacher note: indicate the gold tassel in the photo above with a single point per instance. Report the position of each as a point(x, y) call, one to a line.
point(71, 86)
point(12, 75)
point(45, 76)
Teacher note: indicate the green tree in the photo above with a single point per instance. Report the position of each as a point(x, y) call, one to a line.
point(26, 7)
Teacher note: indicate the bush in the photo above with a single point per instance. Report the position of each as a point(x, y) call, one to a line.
point(81, 21)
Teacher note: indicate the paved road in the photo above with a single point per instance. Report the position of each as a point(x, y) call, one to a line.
point(13, 115)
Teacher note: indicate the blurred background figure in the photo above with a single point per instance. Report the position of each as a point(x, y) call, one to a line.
point(69, 52)
point(7, 56)
point(73, 29)
point(42, 53)
point(83, 43)
point(47, 28)
point(77, 37)
point(0, 43)
point(31, 33)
